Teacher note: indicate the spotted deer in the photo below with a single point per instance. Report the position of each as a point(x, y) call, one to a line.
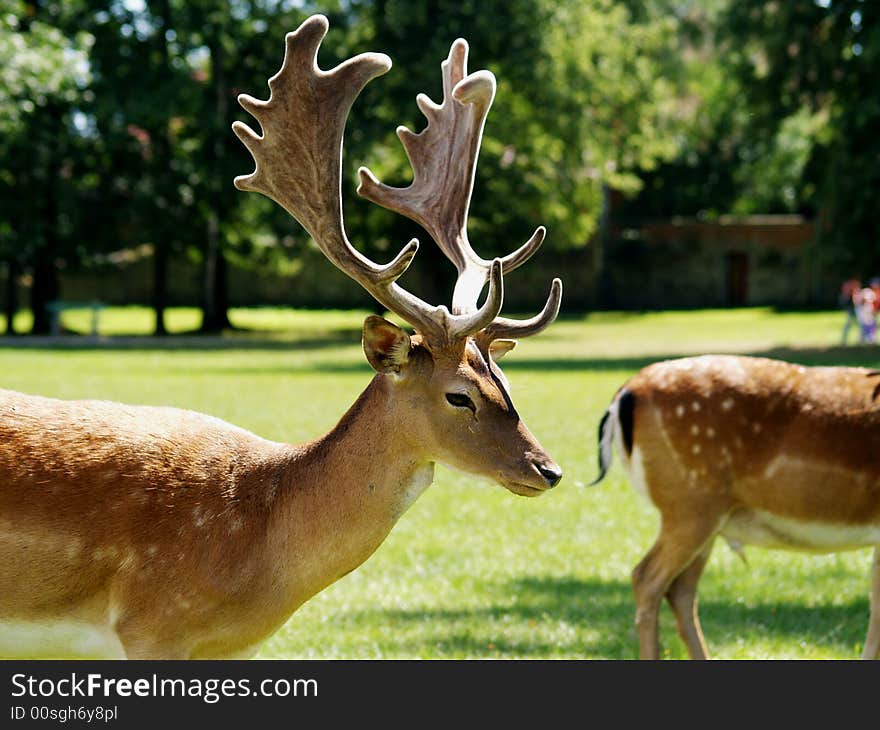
point(152, 532)
point(757, 451)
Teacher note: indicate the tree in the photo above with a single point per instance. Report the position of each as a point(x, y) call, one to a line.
point(43, 75)
point(149, 136)
point(234, 48)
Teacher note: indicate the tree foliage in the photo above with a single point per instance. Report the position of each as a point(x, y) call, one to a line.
point(812, 61)
point(586, 96)
point(786, 119)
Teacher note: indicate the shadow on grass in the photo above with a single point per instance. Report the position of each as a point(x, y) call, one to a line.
point(853, 356)
point(323, 367)
point(605, 609)
point(189, 343)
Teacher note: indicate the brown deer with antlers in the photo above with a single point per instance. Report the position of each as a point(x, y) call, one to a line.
point(160, 533)
point(757, 451)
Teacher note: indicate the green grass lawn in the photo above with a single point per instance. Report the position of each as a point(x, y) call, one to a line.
point(472, 570)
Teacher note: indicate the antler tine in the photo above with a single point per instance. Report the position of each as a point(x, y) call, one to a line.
point(443, 158)
point(502, 327)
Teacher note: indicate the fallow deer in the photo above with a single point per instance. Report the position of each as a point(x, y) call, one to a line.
point(757, 451)
point(147, 532)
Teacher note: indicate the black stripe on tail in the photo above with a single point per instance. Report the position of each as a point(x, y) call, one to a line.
point(620, 413)
point(626, 408)
point(604, 462)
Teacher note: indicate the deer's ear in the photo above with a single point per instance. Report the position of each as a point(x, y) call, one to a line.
point(385, 345)
point(499, 348)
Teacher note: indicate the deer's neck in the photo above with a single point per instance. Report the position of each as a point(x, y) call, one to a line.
point(342, 493)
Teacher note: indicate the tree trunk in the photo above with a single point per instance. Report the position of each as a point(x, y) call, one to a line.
point(160, 287)
point(602, 286)
point(11, 304)
point(45, 288)
point(215, 317)
point(45, 284)
point(162, 163)
point(221, 291)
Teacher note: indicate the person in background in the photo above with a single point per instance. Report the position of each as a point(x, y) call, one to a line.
point(867, 303)
point(848, 292)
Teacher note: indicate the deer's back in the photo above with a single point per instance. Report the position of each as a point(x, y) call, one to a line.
point(783, 438)
point(93, 490)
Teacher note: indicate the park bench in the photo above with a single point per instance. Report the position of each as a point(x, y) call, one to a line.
point(55, 308)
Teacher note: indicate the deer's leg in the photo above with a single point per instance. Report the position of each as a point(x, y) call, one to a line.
point(676, 548)
point(682, 597)
point(872, 641)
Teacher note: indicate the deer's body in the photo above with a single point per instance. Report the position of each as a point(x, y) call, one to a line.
point(757, 451)
point(162, 532)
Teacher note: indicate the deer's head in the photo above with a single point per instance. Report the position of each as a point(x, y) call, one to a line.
point(444, 380)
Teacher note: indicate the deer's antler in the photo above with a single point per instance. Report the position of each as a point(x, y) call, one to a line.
point(444, 158)
point(299, 162)
point(504, 327)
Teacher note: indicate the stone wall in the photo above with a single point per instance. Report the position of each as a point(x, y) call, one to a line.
point(682, 263)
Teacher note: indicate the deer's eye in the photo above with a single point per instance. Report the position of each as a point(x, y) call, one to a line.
point(460, 400)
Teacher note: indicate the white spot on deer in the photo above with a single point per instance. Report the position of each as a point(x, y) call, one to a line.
point(679, 410)
point(695, 430)
point(710, 432)
point(774, 467)
point(73, 548)
point(756, 427)
point(129, 560)
point(695, 449)
point(727, 404)
point(105, 553)
point(235, 524)
point(695, 406)
point(152, 550)
point(270, 491)
point(199, 517)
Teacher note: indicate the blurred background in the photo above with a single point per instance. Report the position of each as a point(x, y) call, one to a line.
point(682, 153)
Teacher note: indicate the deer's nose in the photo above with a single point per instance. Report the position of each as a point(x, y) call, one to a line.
point(551, 472)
